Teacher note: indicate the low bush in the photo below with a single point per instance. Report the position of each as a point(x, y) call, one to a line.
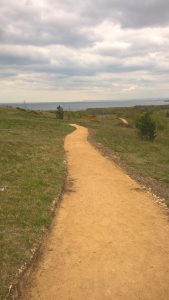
point(146, 126)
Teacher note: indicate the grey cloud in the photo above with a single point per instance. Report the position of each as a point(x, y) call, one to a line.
point(47, 34)
point(62, 41)
point(15, 60)
point(72, 22)
point(130, 13)
point(71, 68)
point(26, 24)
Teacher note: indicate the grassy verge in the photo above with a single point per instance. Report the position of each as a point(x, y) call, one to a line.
point(149, 160)
point(32, 173)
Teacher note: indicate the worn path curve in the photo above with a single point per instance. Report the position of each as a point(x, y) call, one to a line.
point(110, 240)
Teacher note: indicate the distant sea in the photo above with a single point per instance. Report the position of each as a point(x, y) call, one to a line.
point(82, 105)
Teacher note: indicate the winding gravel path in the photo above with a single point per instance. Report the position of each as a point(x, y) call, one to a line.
point(109, 240)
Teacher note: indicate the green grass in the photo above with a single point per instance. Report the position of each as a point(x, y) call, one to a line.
point(148, 159)
point(32, 173)
point(32, 169)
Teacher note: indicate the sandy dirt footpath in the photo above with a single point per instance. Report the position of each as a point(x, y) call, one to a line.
point(109, 240)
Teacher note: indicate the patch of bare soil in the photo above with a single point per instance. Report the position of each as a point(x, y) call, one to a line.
point(124, 122)
point(109, 240)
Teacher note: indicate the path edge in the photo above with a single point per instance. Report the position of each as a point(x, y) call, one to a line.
point(161, 198)
point(17, 286)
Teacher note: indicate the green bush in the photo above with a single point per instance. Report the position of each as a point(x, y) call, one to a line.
point(60, 112)
point(146, 126)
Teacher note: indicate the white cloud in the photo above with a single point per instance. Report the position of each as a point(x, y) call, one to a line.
point(86, 49)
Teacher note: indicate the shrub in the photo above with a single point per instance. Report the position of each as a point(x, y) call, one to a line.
point(146, 126)
point(60, 112)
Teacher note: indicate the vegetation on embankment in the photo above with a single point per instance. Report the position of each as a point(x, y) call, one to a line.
point(32, 174)
point(147, 159)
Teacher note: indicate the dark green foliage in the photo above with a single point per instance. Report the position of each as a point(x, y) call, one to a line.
point(60, 112)
point(146, 126)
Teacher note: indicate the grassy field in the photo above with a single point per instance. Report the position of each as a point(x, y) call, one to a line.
point(32, 169)
point(32, 173)
point(150, 160)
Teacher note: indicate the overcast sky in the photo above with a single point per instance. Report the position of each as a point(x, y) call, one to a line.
point(83, 49)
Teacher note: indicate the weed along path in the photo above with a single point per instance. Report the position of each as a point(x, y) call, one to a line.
point(109, 241)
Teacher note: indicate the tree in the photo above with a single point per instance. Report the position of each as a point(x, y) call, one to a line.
point(146, 126)
point(60, 112)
